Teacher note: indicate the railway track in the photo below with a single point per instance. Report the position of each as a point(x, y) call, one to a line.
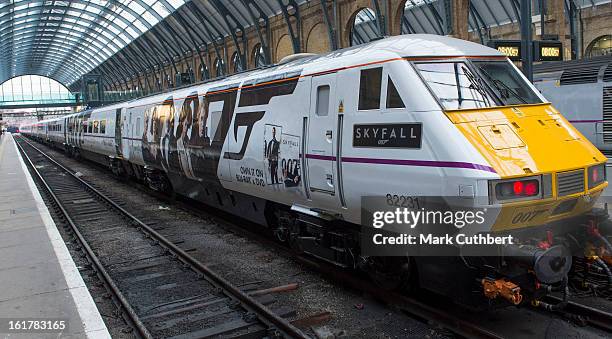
point(446, 317)
point(161, 290)
point(586, 314)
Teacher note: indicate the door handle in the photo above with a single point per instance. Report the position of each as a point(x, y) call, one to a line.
point(328, 133)
point(330, 180)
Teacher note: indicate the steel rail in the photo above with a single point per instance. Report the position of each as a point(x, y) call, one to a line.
point(417, 308)
point(265, 314)
point(593, 316)
point(132, 317)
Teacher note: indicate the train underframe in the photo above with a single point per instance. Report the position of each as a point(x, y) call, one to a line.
point(520, 274)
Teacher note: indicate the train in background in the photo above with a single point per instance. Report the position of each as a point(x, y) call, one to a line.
point(12, 129)
point(582, 91)
point(296, 147)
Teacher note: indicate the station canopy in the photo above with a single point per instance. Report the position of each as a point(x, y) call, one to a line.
point(432, 16)
point(65, 40)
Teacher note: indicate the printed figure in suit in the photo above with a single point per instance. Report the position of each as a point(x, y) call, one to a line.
point(272, 151)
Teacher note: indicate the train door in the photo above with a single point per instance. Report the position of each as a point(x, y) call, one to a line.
point(320, 153)
point(118, 136)
point(126, 129)
point(65, 139)
point(81, 122)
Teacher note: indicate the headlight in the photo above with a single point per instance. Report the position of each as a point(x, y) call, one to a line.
point(597, 175)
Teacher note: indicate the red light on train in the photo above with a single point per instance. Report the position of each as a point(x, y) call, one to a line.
point(531, 188)
point(517, 189)
point(597, 175)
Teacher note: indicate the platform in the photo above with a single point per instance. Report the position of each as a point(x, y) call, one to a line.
point(38, 278)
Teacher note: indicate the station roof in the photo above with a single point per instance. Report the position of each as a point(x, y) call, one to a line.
point(429, 16)
point(65, 39)
point(432, 16)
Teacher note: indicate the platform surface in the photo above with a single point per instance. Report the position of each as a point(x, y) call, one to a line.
point(38, 278)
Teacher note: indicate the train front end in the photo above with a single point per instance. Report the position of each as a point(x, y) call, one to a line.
point(548, 177)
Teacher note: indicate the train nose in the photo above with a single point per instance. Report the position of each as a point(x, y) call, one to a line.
point(549, 265)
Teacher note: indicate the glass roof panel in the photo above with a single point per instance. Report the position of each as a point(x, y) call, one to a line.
point(161, 9)
point(176, 3)
point(136, 7)
point(66, 39)
point(67, 27)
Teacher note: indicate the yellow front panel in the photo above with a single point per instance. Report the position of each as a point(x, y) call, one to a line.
point(525, 140)
point(540, 139)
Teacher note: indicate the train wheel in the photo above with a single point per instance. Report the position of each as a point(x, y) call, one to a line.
point(389, 273)
point(282, 233)
point(287, 230)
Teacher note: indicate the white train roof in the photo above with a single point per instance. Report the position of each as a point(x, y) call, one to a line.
point(406, 46)
point(400, 46)
point(422, 45)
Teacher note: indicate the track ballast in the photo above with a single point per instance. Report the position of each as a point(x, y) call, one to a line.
point(161, 289)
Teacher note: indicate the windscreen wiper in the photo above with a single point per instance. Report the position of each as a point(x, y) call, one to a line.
point(476, 84)
point(458, 82)
point(497, 83)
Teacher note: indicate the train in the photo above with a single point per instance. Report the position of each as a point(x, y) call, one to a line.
point(313, 147)
point(582, 90)
point(12, 129)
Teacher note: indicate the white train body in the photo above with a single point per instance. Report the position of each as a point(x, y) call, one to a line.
point(400, 119)
point(312, 104)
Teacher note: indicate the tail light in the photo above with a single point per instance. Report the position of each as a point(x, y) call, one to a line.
point(517, 189)
point(597, 175)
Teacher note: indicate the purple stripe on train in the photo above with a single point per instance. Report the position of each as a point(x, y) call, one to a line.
point(584, 121)
point(403, 162)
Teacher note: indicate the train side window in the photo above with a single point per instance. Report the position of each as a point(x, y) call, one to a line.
point(96, 126)
point(215, 120)
point(103, 126)
point(394, 100)
point(369, 88)
point(322, 100)
point(138, 126)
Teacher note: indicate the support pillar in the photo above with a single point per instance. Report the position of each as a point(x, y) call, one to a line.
point(460, 13)
point(526, 39)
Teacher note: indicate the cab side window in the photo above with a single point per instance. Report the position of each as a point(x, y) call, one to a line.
point(369, 88)
point(323, 100)
point(394, 100)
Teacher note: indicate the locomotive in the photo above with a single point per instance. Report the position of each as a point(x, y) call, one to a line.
point(582, 91)
point(298, 146)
